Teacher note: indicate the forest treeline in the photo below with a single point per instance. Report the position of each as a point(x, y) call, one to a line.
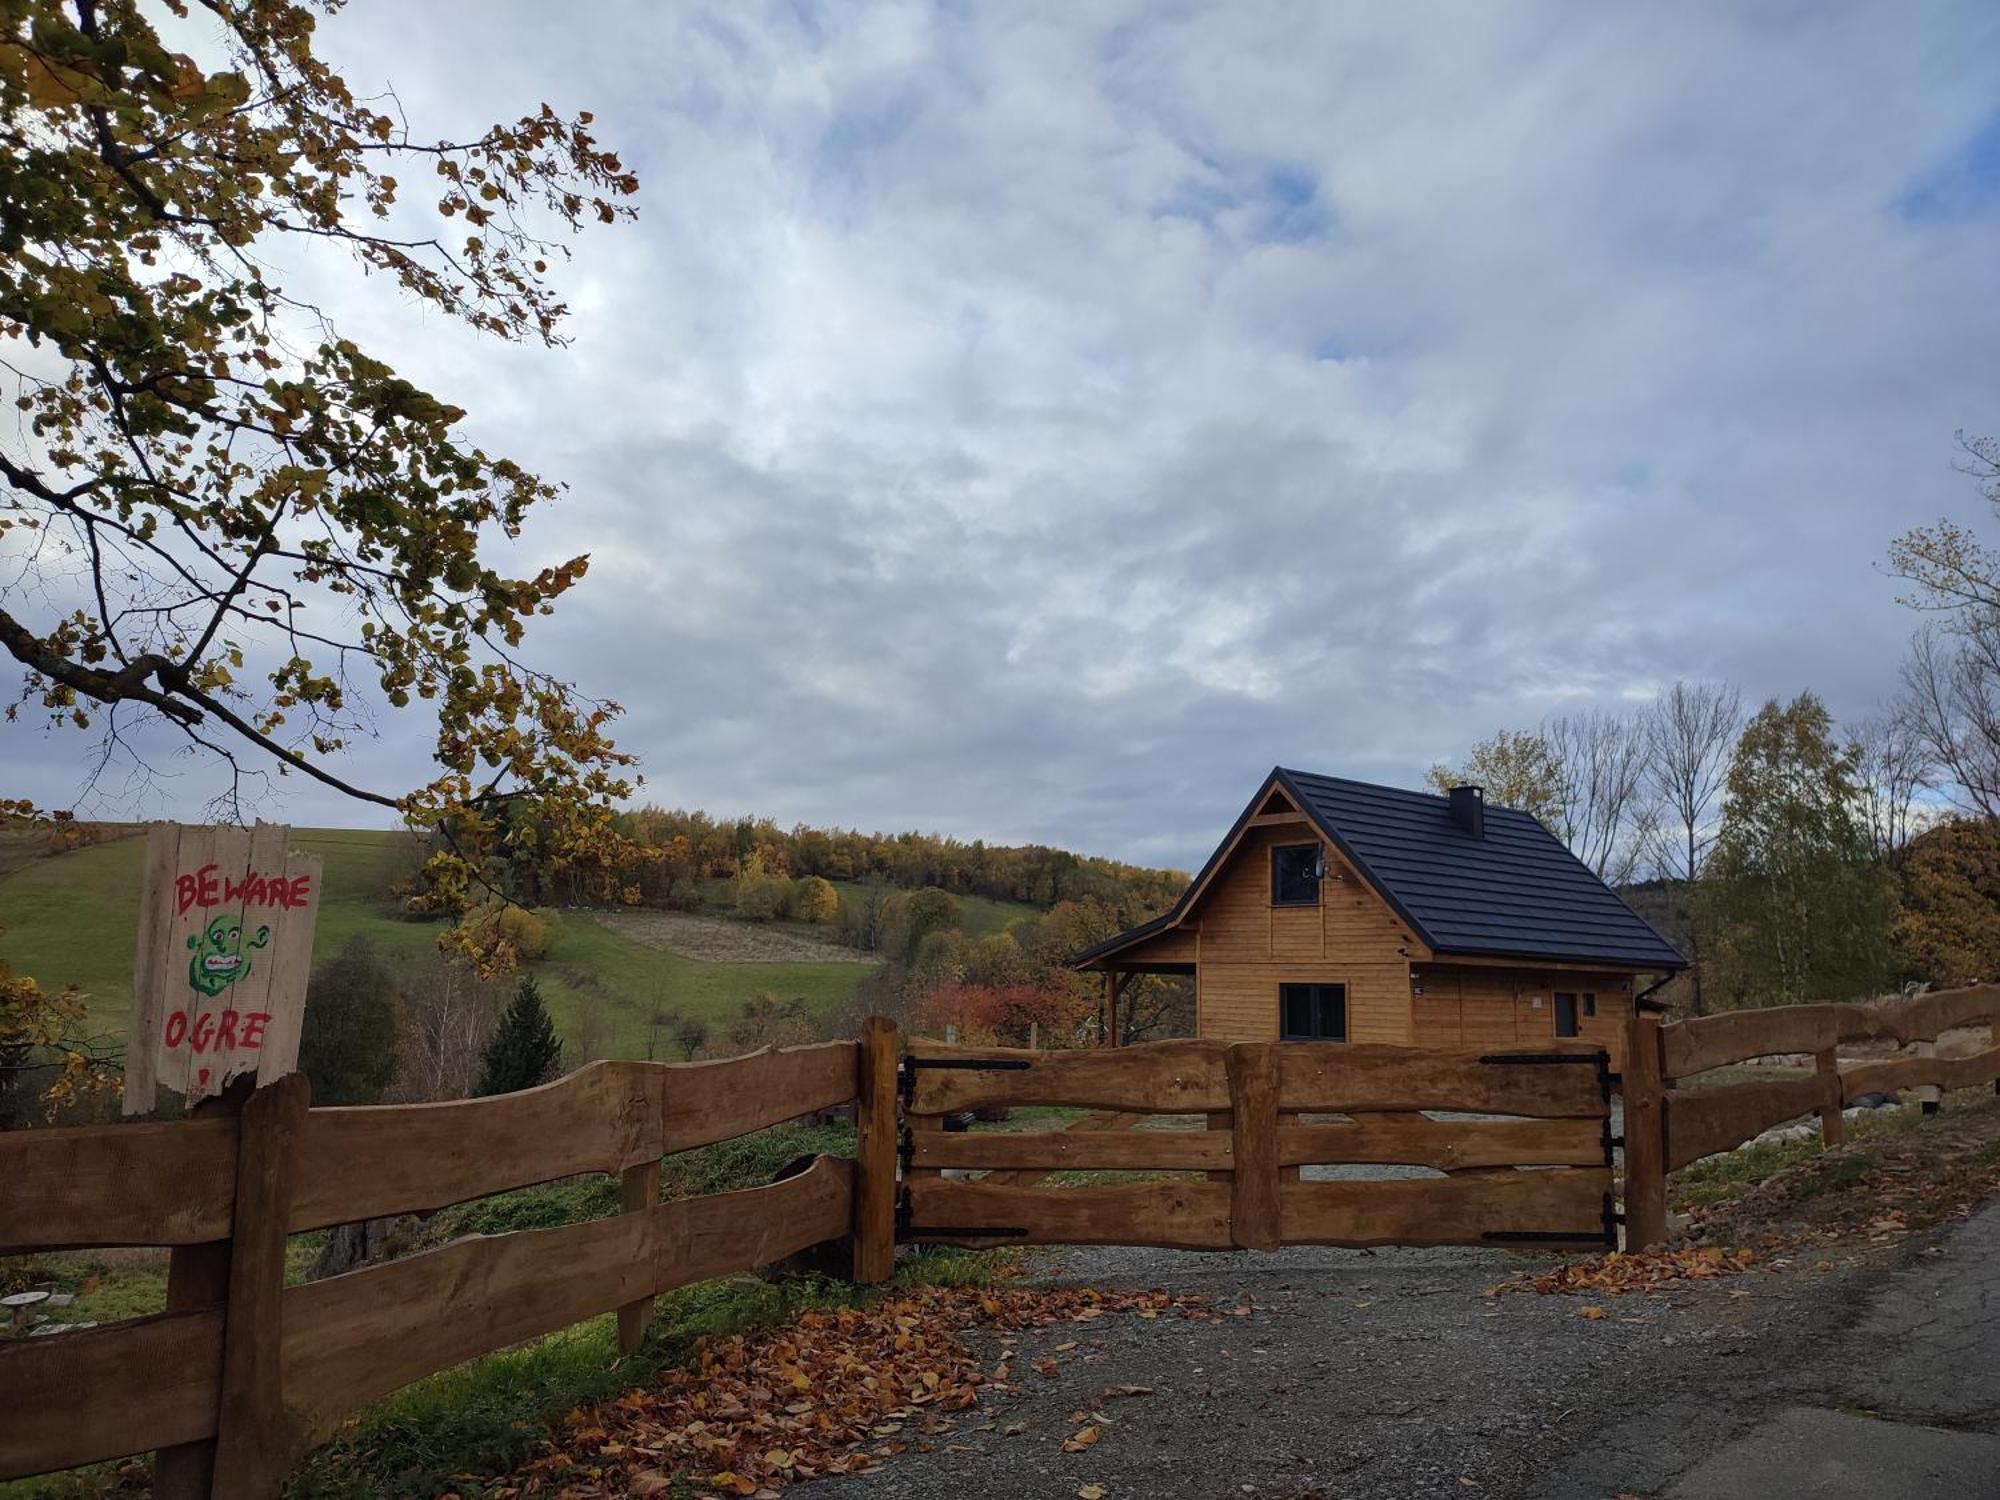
point(677, 854)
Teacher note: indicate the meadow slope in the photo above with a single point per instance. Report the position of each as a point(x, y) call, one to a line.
point(72, 918)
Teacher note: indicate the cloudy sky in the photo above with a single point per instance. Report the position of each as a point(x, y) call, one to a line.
point(1034, 421)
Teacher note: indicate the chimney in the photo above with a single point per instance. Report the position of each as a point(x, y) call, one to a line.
point(1468, 810)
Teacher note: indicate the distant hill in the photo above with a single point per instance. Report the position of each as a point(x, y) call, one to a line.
point(71, 916)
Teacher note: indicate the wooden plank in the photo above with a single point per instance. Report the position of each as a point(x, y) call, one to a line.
point(1183, 1214)
point(1253, 1107)
point(1736, 1036)
point(352, 1338)
point(1177, 1077)
point(198, 1280)
point(164, 1183)
point(289, 965)
point(1323, 1079)
point(1701, 1122)
point(1923, 1017)
point(1031, 1154)
point(1447, 1210)
point(110, 1392)
point(1109, 1120)
point(638, 1191)
point(875, 1154)
point(718, 1101)
point(1448, 1145)
point(1642, 1086)
point(365, 1161)
point(253, 1446)
point(149, 1010)
point(1832, 1124)
point(1908, 1072)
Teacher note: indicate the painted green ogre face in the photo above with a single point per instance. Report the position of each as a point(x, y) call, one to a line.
point(219, 957)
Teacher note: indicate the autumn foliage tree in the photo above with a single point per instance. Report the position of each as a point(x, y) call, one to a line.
point(228, 518)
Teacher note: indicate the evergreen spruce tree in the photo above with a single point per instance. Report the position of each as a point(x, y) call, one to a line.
point(525, 1049)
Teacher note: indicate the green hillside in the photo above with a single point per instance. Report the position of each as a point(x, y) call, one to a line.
point(72, 918)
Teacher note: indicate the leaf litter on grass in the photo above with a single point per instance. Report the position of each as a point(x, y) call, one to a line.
point(833, 1392)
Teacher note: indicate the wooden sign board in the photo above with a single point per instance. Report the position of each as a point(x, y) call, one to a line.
point(225, 948)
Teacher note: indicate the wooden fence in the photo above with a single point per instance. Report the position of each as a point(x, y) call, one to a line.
point(242, 1374)
point(1542, 1177)
point(1668, 1127)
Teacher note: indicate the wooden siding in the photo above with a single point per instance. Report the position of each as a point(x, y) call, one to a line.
point(1248, 947)
point(1174, 946)
point(1467, 1006)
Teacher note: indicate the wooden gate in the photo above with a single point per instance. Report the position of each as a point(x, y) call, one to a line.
point(1532, 1164)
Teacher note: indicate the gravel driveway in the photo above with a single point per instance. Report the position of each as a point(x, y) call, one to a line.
point(1388, 1374)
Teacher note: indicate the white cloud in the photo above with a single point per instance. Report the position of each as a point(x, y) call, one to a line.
point(1035, 423)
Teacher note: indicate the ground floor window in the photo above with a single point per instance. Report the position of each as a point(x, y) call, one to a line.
point(1313, 1012)
point(1566, 1010)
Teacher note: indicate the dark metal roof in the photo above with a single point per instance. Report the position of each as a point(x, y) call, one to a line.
point(1516, 893)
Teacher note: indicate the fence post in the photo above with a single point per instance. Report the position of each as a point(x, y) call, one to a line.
point(198, 1276)
point(1642, 1084)
point(875, 1154)
point(1832, 1124)
point(638, 1193)
point(1254, 1219)
point(255, 1440)
point(1930, 1094)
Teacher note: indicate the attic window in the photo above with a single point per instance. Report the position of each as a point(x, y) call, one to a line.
point(1295, 872)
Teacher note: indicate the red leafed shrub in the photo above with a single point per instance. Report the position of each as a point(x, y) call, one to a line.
point(1004, 1015)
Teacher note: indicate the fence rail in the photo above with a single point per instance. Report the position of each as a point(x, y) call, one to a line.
point(1248, 1193)
point(235, 1387)
point(1667, 1127)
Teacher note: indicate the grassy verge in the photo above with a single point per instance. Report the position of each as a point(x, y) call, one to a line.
point(1716, 1180)
point(448, 1433)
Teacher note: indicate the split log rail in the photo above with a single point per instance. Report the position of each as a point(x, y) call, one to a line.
point(242, 1374)
point(1667, 1126)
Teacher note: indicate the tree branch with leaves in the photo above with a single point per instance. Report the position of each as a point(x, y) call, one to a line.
point(219, 513)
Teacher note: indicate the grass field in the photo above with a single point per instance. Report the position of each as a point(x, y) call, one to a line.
point(72, 918)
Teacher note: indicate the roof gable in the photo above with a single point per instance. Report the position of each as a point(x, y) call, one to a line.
point(1517, 892)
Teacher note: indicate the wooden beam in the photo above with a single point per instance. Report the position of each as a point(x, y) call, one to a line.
point(1447, 1211)
point(1253, 1106)
point(1177, 1077)
point(1644, 1090)
point(255, 1440)
point(875, 1154)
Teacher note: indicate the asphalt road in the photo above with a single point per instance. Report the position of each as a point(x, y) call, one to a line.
point(1365, 1375)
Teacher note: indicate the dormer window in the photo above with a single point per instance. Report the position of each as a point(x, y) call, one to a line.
point(1295, 874)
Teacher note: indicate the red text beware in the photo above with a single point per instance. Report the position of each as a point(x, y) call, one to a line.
point(204, 889)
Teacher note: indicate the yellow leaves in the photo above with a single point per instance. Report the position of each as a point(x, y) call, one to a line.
point(1594, 1314)
point(1085, 1438)
point(1090, 1492)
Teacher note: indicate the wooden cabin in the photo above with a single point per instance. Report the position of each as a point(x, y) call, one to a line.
point(1339, 911)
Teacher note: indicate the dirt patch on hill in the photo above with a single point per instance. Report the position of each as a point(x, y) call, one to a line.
point(716, 940)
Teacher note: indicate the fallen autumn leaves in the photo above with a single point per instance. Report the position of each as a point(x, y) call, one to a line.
point(831, 1393)
point(1619, 1272)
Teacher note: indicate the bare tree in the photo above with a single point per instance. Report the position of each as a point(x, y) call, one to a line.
point(1690, 733)
point(1600, 807)
point(448, 1016)
point(1892, 763)
point(1951, 703)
